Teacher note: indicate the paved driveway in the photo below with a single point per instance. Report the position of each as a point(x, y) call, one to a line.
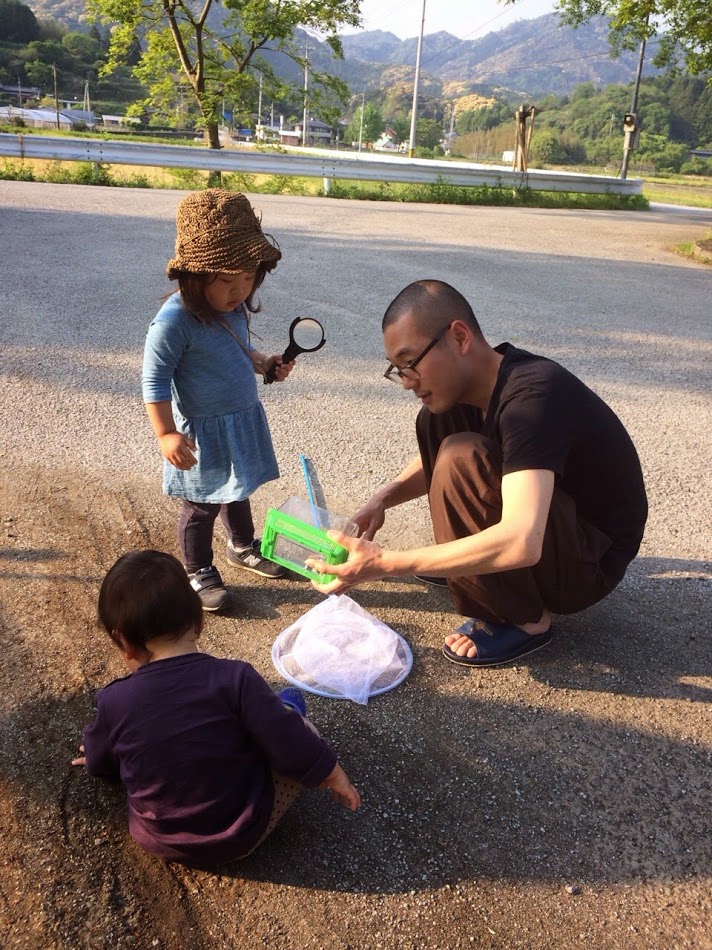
point(486, 794)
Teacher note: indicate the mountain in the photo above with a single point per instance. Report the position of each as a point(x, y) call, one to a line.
point(529, 58)
point(532, 57)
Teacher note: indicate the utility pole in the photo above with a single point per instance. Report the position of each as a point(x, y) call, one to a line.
point(363, 109)
point(449, 136)
point(414, 115)
point(259, 110)
point(631, 128)
point(306, 94)
point(56, 97)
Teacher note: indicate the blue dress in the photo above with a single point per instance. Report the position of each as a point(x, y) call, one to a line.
point(211, 383)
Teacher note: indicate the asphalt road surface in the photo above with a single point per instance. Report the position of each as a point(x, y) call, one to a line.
point(559, 802)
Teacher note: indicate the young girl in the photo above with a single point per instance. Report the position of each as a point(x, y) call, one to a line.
point(211, 758)
point(200, 389)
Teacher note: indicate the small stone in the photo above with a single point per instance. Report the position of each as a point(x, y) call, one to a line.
point(573, 889)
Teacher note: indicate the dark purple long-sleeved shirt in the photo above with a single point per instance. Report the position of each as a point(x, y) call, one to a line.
point(194, 739)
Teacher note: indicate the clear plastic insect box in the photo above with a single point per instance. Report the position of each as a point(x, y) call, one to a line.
point(296, 532)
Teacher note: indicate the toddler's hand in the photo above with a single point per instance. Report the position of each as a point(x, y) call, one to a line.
point(281, 370)
point(80, 760)
point(178, 450)
point(341, 788)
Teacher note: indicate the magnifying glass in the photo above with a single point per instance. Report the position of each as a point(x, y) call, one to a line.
point(306, 335)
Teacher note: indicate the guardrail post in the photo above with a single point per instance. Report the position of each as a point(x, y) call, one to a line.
point(327, 186)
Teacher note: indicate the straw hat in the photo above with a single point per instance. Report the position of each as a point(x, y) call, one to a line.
point(218, 232)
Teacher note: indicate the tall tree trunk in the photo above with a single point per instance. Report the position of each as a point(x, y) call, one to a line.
point(213, 140)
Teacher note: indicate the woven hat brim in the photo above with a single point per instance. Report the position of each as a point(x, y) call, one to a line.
point(207, 254)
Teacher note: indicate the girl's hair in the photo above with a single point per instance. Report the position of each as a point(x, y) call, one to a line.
point(192, 290)
point(147, 594)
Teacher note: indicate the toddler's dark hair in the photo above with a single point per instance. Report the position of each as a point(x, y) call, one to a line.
point(192, 290)
point(147, 594)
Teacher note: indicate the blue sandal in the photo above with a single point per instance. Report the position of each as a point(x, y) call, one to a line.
point(496, 643)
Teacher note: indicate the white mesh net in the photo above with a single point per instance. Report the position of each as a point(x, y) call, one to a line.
point(338, 649)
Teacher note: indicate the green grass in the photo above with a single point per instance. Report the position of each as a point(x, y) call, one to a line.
point(440, 192)
point(692, 190)
point(87, 173)
point(700, 251)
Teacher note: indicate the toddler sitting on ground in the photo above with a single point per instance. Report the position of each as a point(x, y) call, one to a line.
point(210, 756)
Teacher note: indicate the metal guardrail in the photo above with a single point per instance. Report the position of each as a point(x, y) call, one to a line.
point(326, 165)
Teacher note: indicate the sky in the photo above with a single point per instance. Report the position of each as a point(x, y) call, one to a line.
point(463, 18)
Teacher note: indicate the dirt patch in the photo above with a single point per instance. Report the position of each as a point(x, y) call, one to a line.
point(562, 802)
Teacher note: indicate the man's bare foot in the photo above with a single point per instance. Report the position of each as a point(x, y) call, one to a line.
point(463, 646)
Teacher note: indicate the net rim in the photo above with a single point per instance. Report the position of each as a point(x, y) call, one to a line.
point(308, 688)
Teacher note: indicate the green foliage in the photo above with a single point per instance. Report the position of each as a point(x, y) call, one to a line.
point(373, 125)
point(76, 56)
point(428, 133)
point(485, 118)
point(81, 173)
point(188, 179)
point(697, 166)
point(18, 24)
point(546, 149)
point(198, 54)
point(283, 185)
point(556, 148)
point(400, 126)
point(16, 171)
point(239, 181)
point(444, 193)
point(586, 127)
point(661, 154)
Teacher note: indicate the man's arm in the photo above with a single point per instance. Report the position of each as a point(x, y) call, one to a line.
point(408, 485)
point(515, 541)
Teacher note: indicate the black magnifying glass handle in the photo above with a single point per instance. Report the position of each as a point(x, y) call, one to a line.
point(306, 335)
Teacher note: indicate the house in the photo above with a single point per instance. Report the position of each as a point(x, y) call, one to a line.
point(119, 121)
point(386, 143)
point(19, 93)
point(318, 133)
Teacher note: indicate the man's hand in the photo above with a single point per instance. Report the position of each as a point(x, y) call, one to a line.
point(365, 563)
point(81, 759)
point(178, 450)
point(370, 518)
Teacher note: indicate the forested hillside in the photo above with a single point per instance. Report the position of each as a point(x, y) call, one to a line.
point(469, 87)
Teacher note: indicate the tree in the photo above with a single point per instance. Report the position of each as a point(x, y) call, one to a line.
point(18, 23)
point(373, 124)
point(211, 52)
point(685, 28)
point(546, 149)
point(400, 126)
point(428, 133)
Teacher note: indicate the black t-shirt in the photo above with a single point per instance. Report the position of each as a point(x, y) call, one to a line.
point(543, 417)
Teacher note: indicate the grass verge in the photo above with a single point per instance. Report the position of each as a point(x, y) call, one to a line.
point(440, 192)
point(699, 251)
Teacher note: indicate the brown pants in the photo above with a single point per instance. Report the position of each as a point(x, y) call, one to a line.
point(577, 566)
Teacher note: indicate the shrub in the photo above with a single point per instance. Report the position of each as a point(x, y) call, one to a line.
point(14, 171)
point(546, 149)
point(190, 179)
point(697, 166)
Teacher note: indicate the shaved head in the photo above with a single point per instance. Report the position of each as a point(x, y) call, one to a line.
point(433, 304)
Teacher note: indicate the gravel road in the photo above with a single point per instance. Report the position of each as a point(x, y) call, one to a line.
point(561, 802)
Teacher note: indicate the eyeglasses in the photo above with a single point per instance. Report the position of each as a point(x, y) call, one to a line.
point(396, 373)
